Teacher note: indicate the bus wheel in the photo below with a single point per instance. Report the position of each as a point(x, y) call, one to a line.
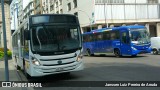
point(89, 53)
point(134, 55)
point(117, 53)
point(155, 52)
point(25, 72)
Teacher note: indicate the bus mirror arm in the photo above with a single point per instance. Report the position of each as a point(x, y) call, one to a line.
point(27, 34)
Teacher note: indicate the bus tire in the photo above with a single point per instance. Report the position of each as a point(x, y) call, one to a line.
point(89, 52)
point(25, 72)
point(155, 52)
point(117, 53)
point(134, 55)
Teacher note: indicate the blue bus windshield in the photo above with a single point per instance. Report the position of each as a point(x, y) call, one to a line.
point(139, 36)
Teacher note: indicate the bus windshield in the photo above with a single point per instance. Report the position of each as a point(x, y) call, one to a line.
point(51, 38)
point(139, 36)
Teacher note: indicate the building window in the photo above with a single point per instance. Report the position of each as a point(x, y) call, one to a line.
point(61, 11)
point(75, 3)
point(109, 1)
point(76, 14)
point(69, 6)
point(57, 4)
point(57, 12)
point(60, 2)
point(152, 1)
point(51, 7)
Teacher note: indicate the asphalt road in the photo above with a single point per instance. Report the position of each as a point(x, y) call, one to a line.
point(108, 68)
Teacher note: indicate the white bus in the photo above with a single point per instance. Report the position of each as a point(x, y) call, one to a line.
point(48, 44)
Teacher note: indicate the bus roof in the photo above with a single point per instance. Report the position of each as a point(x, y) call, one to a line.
point(52, 15)
point(116, 28)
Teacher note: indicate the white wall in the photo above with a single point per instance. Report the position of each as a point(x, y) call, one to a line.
point(141, 1)
point(126, 12)
point(153, 11)
point(137, 1)
point(130, 12)
point(141, 11)
point(84, 9)
point(129, 1)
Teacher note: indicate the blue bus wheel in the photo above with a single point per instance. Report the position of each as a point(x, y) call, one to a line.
point(117, 53)
point(89, 53)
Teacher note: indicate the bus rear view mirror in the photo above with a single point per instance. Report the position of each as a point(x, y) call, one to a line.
point(27, 35)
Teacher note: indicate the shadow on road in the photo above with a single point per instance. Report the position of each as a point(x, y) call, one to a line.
point(139, 56)
point(103, 72)
point(53, 78)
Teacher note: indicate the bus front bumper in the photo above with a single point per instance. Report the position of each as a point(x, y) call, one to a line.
point(135, 52)
point(48, 70)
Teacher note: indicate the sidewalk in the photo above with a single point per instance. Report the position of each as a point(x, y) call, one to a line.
point(12, 71)
point(12, 75)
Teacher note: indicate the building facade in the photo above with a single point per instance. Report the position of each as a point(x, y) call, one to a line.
point(128, 12)
point(8, 27)
point(14, 14)
point(109, 13)
point(20, 11)
point(52, 6)
point(38, 9)
point(28, 9)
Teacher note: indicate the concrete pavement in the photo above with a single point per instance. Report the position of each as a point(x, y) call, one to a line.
point(13, 75)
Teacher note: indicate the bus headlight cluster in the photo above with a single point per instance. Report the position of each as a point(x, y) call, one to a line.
point(133, 48)
point(35, 61)
point(80, 56)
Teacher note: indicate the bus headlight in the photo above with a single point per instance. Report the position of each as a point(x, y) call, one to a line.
point(80, 56)
point(35, 62)
point(133, 48)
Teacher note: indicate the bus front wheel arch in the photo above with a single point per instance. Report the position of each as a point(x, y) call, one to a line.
point(89, 52)
point(155, 51)
point(117, 52)
point(25, 71)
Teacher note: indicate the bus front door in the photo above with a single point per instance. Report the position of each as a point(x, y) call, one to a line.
point(125, 43)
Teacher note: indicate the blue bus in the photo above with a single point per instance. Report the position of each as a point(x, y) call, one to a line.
point(120, 41)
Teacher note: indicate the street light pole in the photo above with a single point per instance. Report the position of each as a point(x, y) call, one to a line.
point(88, 18)
point(106, 24)
point(5, 42)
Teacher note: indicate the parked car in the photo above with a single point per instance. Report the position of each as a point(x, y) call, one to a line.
point(155, 45)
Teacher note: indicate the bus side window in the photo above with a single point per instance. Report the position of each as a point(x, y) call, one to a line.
point(99, 36)
point(113, 35)
point(84, 38)
point(117, 35)
point(106, 36)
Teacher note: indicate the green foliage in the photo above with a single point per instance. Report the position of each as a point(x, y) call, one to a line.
point(1, 54)
point(9, 53)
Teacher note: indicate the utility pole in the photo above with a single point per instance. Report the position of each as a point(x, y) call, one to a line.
point(106, 24)
point(5, 42)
